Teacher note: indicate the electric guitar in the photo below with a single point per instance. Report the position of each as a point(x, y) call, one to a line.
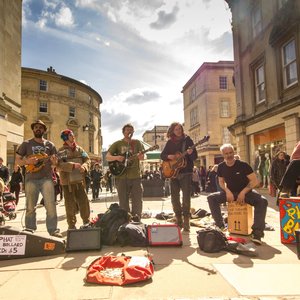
point(42, 158)
point(117, 168)
point(170, 168)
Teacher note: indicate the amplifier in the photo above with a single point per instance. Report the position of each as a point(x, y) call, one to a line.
point(83, 239)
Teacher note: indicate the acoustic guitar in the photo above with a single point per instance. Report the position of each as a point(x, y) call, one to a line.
point(42, 158)
point(170, 168)
point(117, 168)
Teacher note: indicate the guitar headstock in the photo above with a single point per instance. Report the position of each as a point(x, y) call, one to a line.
point(205, 139)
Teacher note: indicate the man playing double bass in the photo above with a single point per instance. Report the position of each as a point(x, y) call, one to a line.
point(178, 142)
point(124, 159)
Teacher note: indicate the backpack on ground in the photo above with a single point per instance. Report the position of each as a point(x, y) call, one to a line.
point(110, 221)
point(211, 240)
point(133, 234)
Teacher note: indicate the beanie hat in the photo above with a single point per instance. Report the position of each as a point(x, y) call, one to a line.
point(64, 135)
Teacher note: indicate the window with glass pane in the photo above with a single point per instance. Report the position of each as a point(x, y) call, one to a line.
point(290, 64)
point(194, 116)
point(226, 135)
point(224, 109)
point(223, 82)
point(43, 85)
point(43, 107)
point(256, 21)
point(72, 112)
point(260, 84)
point(281, 3)
point(193, 94)
point(72, 92)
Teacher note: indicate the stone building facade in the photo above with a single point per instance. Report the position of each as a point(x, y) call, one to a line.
point(209, 108)
point(11, 117)
point(62, 102)
point(156, 136)
point(267, 57)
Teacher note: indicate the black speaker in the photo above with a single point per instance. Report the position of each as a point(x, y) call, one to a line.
point(15, 243)
point(83, 239)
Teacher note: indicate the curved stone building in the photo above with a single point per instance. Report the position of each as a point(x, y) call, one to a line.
point(62, 102)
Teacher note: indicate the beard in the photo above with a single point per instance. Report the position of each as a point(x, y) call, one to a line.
point(38, 134)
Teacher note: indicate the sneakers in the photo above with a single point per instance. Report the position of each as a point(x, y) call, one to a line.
point(256, 239)
point(57, 234)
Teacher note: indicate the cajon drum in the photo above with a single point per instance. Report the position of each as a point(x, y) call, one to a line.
point(240, 218)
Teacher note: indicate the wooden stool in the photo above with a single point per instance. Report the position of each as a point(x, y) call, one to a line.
point(240, 218)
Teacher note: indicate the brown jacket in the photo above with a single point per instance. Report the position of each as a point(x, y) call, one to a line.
point(69, 175)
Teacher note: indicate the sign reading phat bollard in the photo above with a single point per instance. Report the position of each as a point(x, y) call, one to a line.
point(289, 209)
point(20, 244)
point(240, 218)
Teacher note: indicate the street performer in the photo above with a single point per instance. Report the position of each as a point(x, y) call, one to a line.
point(124, 159)
point(72, 171)
point(237, 181)
point(178, 142)
point(38, 155)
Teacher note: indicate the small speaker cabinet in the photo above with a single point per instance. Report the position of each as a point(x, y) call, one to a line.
point(83, 239)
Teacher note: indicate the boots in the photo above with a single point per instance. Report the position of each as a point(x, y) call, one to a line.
point(179, 221)
point(186, 223)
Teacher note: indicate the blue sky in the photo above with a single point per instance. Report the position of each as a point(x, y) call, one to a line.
point(137, 54)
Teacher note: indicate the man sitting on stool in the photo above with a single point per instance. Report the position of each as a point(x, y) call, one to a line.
point(237, 179)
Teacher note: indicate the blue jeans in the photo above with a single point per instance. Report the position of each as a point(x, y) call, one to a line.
point(259, 203)
point(32, 190)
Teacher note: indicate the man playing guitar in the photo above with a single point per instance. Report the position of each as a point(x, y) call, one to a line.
point(128, 182)
point(178, 143)
point(39, 181)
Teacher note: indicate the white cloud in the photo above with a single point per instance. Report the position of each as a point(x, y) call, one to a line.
point(64, 17)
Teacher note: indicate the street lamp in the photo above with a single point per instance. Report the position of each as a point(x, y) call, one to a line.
point(85, 127)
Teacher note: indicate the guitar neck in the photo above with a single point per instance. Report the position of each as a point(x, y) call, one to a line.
point(205, 139)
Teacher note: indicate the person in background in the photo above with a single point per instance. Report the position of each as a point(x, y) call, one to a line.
point(57, 186)
point(237, 180)
point(38, 179)
point(108, 181)
point(96, 177)
point(4, 172)
point(212, 180)
point(129, 182)
point(278, 168)
point(16, 181)
point(178, 141)
point(195, 182)
point(202, 173)
point(72, 171)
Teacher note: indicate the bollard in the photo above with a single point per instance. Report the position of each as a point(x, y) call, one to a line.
point(297, 233)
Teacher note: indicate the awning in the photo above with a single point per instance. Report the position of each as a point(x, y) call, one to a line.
point(153, 155)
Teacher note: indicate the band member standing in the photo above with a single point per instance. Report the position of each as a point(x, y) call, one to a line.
point(178, 141)
point(39, 179)
point(72, 171)
point(128, 183)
